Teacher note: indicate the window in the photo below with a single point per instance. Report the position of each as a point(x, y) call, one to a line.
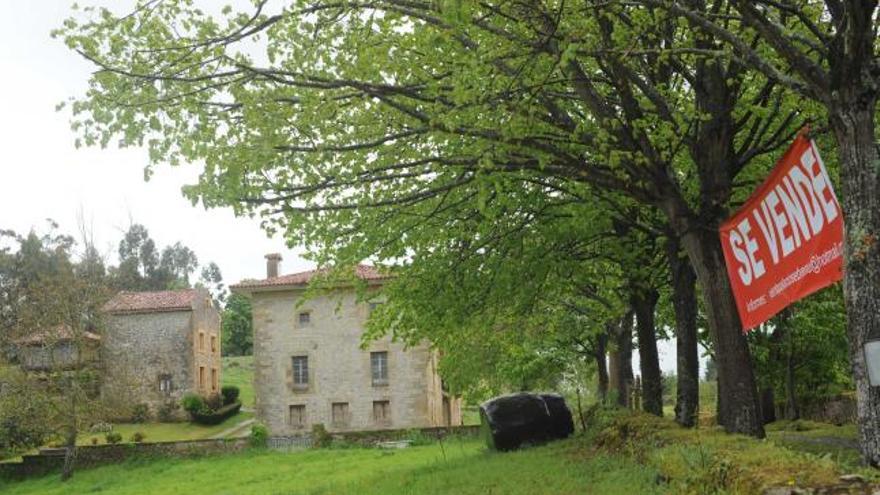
point(300, 371)
point(340, 413)
point(165, 385)
point(213, 343)
point(202, 377)
point(382, 411)
point(298, 416)
point(214, 380)
point(305, 318)
point(201, 341)
point(379, 367)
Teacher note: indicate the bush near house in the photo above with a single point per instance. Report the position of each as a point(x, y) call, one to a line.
point(215, 417)
point(230, 394)
point(210, 411)
point(140, 413)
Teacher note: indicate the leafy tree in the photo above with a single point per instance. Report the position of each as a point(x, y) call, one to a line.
point(57, 300)
point(142, 267)
point(238, 336)
point(213, 280)
point(375, 129)
point(827, 53)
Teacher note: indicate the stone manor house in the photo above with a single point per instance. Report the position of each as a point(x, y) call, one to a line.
point(309, 366)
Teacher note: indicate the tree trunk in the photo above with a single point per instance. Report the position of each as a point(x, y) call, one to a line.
point(684, 302)
point(792, 411)
point(644, 302)
point(768, 405)
point(737, 392)
point(599, 352)
point(853, 127)
point(620, 373)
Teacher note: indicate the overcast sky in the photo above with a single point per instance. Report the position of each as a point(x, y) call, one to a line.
point(42, 175)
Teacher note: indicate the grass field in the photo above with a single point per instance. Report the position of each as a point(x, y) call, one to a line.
point(239, 371)
point(622, 453)
point(163, 432)
point(459, 467)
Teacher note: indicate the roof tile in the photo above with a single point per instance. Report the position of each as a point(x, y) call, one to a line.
point(301, 279)
point(148, 302)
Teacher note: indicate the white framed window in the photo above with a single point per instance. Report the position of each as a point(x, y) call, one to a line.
point(379, 367)
point(300, 371)
point(165, 384)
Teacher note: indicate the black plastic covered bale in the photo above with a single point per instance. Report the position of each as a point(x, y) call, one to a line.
point(561, 421)
point(511, 421)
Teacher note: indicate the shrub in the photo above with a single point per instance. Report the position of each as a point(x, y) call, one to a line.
point(209, 417)
point(101, 428)
point(138, 437)
point(229, 393)
point(418, 437)
point(168, 410)
point(113, 437)
point(213, 402)
point(94, 440)
point(193, 403)
point(140, 413)
point(320, 437)
point(259, 436)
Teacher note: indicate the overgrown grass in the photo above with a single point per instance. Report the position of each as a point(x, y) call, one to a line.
point(458, 466)
point(239, 371)
point(707, 460)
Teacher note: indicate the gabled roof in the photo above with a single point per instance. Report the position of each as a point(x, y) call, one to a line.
point(60, 333)
point(302, 279)
point(153, 302)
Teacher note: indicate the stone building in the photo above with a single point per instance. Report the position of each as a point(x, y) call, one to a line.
point(57, 349)
point(309, 366)
point(157, 346)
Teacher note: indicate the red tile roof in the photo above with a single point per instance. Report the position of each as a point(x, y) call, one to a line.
point(56, 334)
point(149, 302)
point(301, 279)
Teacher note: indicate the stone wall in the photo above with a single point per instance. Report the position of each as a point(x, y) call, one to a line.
point(206, 346)
point(339, 370)
point(59, 355)
point(49, 460)
point(137, 349)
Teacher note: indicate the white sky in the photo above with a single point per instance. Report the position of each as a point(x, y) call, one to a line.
point(42, 175)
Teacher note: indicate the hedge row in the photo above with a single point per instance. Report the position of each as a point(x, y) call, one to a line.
point(218, 416)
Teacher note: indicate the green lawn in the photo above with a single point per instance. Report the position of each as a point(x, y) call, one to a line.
point(460, 467)
point(163, 432)
point(239, 371)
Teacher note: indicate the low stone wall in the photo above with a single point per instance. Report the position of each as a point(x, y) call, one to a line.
point(87, 456)
point(370, 438)
point(49, 460)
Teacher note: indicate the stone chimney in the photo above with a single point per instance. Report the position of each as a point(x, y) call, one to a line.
point(273, 261)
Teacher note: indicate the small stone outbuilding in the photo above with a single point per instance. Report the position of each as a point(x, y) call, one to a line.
point(58, 349)
point(310, 368)
point(158, 346)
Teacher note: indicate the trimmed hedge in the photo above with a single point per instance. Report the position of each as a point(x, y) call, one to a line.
point(218, 416)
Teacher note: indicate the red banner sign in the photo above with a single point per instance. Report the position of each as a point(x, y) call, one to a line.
point(786, 241)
